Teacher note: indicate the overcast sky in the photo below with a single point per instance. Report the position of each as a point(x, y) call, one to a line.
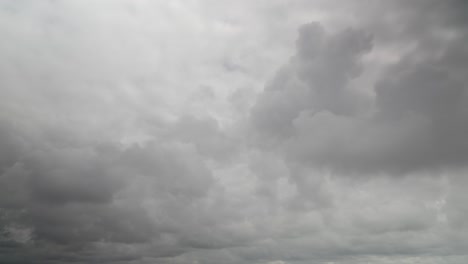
point(233, 132)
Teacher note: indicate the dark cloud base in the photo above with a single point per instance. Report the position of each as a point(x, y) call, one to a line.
point(354, 152)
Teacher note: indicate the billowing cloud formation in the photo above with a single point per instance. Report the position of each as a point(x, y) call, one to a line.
point(151, 132)
point(418, 119)
point(315, 79)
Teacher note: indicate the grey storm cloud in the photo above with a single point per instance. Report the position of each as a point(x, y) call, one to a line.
point(315, 80)
point(180, 132)
point(68, 195)
point(418, 119)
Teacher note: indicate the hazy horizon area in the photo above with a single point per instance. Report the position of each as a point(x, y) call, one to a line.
point(233, 132)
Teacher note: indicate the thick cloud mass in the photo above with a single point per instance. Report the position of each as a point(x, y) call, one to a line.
point(314, 81)
point(268, 132)
point(418, 119)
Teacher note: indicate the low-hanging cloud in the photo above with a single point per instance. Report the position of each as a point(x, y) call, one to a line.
point(417, 121)
point(150, 132)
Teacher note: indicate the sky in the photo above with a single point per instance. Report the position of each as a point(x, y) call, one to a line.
point(233, 132)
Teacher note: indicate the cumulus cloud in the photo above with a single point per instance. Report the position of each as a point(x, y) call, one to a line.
point(233, 132)
point(417, 119)
point(315, 79)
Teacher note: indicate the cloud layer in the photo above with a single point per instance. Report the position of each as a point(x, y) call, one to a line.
point(270, 132)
